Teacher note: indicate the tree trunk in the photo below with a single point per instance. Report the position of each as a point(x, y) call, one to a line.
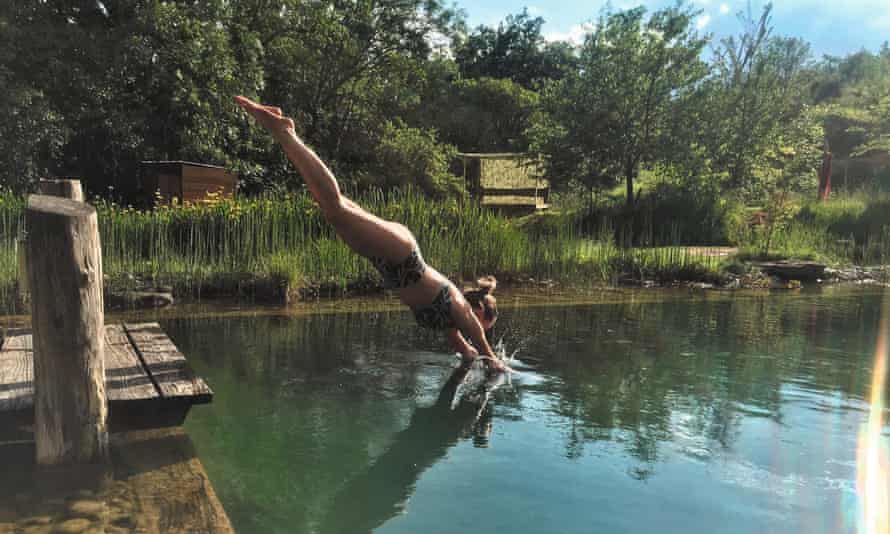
point(629, 178)
point(629, 175)
point(65, 278)
point(825, 176)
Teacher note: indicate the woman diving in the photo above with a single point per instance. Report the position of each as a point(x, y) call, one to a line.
point(391, 248)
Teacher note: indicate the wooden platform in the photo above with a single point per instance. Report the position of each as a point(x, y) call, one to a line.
point(148, 382)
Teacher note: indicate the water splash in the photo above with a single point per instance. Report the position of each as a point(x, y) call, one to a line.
point(873, 472)
point(480, 383)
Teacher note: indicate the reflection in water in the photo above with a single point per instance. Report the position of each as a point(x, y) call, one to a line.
point(381, 491)
point(722, 412)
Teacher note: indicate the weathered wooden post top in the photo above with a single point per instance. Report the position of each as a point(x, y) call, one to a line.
point(65, 278)
point(61, 187)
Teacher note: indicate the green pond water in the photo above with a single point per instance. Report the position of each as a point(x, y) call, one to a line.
point(655, 412)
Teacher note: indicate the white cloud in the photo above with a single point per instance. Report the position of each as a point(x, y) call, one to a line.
point(703, 21)
point(535, 11)
point(574, 35)
point(724, 9)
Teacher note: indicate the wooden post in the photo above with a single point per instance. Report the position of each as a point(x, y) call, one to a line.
point(65, 188)
point(61, 187)
point(65, 278)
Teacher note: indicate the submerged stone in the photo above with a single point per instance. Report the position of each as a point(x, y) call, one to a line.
point(73, 526)
point(87, 508)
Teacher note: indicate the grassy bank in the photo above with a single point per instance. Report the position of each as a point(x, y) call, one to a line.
point(852, 229)
point(255, 247)
point(849, 229)
point(270, 246)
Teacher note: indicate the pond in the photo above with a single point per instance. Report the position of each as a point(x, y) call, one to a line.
point(667, 411)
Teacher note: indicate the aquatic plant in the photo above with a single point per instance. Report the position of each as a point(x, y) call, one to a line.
point(274, 244)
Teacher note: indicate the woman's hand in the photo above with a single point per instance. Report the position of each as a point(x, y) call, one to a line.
point(469, 354)
point(495, 364)
point(269, 117)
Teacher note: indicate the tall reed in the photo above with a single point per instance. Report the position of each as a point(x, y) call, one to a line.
point(11, 229)
point(236, 246)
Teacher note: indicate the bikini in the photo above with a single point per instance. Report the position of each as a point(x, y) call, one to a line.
point(436, 315)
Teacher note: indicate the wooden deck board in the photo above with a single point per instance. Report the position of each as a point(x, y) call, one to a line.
point(167, 367)
point(153, 373)
point(125, 376)
point(16, 372)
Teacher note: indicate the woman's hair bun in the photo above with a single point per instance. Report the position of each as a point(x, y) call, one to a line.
point(487, 283)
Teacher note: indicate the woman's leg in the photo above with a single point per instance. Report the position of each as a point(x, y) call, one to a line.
point(368, 234)
point(364, 233)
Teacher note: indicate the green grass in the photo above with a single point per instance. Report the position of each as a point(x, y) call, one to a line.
point(256, 246)
point(849, 229)
point(11, 224)
point(263, 247)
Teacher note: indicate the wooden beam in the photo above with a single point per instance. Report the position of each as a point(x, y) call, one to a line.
point(65, 278)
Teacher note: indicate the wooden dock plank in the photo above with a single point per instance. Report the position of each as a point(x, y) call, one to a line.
point(16, 372)
point(154, 370)
point(125, 376)
point(166, 366)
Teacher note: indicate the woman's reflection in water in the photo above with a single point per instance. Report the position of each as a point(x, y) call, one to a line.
point(380, 492)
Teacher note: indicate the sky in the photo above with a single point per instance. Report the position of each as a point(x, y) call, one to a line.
point(835, 28)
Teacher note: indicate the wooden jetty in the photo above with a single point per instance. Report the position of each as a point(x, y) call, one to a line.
point(148, 382)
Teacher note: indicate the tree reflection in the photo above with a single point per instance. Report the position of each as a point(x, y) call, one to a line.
point(691, 370)
point(318, 423)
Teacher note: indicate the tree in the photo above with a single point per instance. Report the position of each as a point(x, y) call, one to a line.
point(477, 115)
point(342, 69)
point(415, 158)
point(164, 93)
point(756, 89)
point(787, 166)
point(616, 112)
point(515, 50)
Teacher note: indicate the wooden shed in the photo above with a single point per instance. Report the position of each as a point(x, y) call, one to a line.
point(509, 182)
point(185, 181)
